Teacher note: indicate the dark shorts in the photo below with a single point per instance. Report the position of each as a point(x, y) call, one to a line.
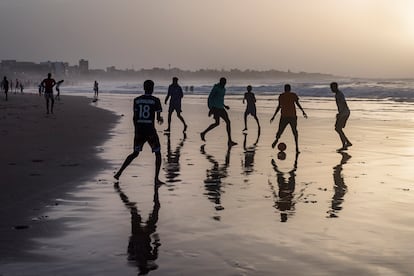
point(48, 95)
point(175, 107)
point(151, 137)
point(341, 120)
point(251, 111)
point(219, 113)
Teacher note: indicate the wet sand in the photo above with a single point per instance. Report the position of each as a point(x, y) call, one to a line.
point(235, 211)
point(42, 158)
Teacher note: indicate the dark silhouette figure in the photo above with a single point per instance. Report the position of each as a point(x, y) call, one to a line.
point(17, 86)
point(340, 187)
point(145, 108)
point(249, 153)
point(284, 197)
point(172, 167)
point(5, 87)
point(218, 110)
point(58, 89)
point(214, 177)
point(342, 116)
point(287, 101)
point(251, 107)
point(175, 94)
point(48, 85)
point(95, 89)
point(144, 241)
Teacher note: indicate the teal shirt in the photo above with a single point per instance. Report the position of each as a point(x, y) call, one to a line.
point(216, 97)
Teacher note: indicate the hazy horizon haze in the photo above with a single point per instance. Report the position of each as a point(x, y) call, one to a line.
point(360, 38)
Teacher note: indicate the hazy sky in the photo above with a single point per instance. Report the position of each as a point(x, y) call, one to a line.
point(372, 38)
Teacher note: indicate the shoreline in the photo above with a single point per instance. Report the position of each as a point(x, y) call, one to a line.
point(44, 157)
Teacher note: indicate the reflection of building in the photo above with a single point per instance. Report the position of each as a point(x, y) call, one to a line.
point(83, 67)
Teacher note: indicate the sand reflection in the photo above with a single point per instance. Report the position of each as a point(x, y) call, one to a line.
point(249, 153)
point(144, 241)
point(172, 164)
point(284, 196)
point(340, 187)
point(214, 177)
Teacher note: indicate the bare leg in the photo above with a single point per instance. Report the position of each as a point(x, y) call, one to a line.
point(245, 121)
point(157, 181)
point(169, 121)
point(126, 163)
point(182, 120)
point(210, 127)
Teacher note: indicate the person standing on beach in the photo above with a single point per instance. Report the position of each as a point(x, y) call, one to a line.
point(251, 107)
point(58, 89)
point(287, 101)
point(175, 92)
point(342, 116)
point(48, 85)
point(95, 89)
point(5, 86)
point(218, 110)
point(145, 108)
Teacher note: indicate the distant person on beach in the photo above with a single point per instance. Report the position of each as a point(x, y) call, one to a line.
point(251, 107)
point(95, 89)
point(218, 110)
point(17, 86)
point(5, 86)
point(21, 87)
point(58, 89)
point(48, 85)
point(145, 108)
point(175, 92)
point(342, 116)
point(287, 101)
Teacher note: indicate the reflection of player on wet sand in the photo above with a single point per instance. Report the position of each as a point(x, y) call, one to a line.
point(172, 166)
point(144, 241)
point(214, 176)
point(145, 108)
point(284, 198)
point(249, 153)
point(339, 187)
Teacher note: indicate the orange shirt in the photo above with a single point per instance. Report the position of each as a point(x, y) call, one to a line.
point(287, 104)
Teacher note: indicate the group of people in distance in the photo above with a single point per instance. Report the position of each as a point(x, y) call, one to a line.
point(147, 108)
point(5, 86)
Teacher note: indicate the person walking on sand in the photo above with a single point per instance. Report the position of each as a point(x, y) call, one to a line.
point(218, 110)
point(58, 89)
point(145, 108)
point(287, 101)
point(5, 86)
point(342, 116)
point(48, 85)
point(175, 94)
point(251, 107)
point(95, 89)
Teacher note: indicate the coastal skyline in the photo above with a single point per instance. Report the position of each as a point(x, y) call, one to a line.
point(354, 38)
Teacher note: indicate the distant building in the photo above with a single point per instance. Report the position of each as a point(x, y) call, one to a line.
point(83, 67)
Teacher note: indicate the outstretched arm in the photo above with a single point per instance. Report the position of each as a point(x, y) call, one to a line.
point(160, 119)
point(276, 111)
point(300, 107)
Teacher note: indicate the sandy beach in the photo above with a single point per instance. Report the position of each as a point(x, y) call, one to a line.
point(223, 211)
